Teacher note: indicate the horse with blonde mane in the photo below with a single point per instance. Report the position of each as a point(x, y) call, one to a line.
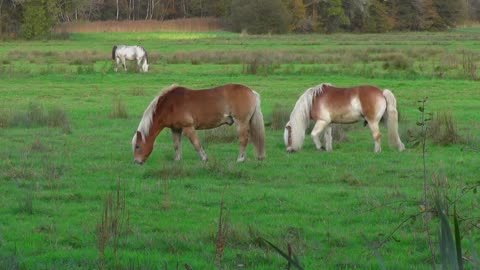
point(185, 110)
point(326, 104)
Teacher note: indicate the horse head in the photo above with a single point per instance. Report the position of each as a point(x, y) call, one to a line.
point(287, 136)
point(145, 66)
point(142, 148)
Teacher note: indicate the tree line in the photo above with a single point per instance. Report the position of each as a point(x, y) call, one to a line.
point(34, 18)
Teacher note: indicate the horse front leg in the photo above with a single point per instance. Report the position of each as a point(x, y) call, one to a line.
point(192, 135)
point(243, 135)
point(117, 61)
point(320, 125)
point(124, 64)
point(177, 143)
point(328, 138)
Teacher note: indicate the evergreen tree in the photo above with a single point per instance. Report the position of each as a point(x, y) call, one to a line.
point(39, 17)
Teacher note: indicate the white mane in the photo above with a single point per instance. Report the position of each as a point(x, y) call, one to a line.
point(300, 116)
point(147, 119)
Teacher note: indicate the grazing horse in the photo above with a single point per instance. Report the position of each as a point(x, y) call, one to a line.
point(121, 53)
point(184, 111)
point(327, 104)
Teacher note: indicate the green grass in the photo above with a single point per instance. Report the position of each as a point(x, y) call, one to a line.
point(53, 184)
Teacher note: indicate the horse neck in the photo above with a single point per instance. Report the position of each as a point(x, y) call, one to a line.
point(154, 131)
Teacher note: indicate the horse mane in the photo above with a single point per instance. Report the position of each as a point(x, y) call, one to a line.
point(147, 119)
point(113, 51)
point(145, 51)
point(300, 116)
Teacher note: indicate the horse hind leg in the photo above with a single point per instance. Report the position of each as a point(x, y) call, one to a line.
point(377, 136)
point(320, 125)
point(243, 135)
point(192, 135)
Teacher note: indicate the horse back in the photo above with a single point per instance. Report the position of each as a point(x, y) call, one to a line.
point(207, 108)
point(348, 104)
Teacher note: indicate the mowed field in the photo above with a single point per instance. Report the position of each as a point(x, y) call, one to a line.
point(72, 198)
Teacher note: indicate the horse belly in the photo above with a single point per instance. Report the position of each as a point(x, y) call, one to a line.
point(348, 114)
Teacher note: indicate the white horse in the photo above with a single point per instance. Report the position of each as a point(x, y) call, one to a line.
point(123, 52)
point(326, 104)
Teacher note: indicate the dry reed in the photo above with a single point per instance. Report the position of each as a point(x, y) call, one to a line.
point(186, 25)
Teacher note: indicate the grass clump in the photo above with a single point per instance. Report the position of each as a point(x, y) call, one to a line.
point(443, 129)
point(279, 117)
point(118, 109)
point(222, 134)
point(35, 115)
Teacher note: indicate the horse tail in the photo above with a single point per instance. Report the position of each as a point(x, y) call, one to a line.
point(113, 52)
point(257, 128)
point(392, 120)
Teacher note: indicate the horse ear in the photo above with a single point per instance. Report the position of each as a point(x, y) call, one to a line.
point(139, 136)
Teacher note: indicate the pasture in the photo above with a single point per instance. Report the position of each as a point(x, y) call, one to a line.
point(72, 198)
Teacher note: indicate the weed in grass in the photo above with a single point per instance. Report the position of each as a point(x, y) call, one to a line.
point(38, 146)
point(443, 130)
point(86, 69)
point(169, 172)
point(118, 109)
point(222, 134)
point(469, 65)
point(36, 116)
point(57, 117)
point(167, 201)
point(25, 205)
point(138, 92)
point(397, 61)
point(222, 231)
point(251, 67)
point(279, 117)
point(11, 261)
point(114, 223)
point(290, 256)
point(350, 180)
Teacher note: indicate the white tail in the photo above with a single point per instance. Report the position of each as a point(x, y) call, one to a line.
point(392, 120)
point(257, 129)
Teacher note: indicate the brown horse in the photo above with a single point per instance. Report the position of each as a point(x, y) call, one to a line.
point(327, 104)
point(184, 111)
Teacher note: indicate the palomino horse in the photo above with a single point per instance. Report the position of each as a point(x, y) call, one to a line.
point(121, 53)
point(184, 111)
point(327, 104)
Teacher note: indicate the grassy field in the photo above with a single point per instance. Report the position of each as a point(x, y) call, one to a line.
point(71, 197)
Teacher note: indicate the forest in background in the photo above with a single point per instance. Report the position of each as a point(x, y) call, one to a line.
point(36, 18)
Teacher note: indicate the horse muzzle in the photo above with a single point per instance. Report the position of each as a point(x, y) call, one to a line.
point(138, 162)
point(291, 150)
